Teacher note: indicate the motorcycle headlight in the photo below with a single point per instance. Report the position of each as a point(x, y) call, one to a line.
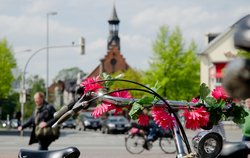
point(207, 144)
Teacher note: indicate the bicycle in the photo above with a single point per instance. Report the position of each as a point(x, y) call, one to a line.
point(136, 141)
point(205, 144)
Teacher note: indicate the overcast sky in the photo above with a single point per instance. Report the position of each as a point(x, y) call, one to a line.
point(23, 24)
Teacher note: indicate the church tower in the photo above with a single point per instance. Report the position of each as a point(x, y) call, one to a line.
point(113, 61)
point(113, 38)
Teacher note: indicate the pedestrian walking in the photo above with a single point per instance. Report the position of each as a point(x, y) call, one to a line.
point(41, 118)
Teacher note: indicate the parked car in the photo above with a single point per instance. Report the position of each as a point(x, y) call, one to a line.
point(89, 122)
point(70, 123)
point(4, 123)
point(115, 124)
point(13, 123)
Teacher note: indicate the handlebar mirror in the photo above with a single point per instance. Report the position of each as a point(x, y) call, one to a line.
point(242, 34)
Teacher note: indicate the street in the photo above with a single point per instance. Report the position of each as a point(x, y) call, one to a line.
point(92, 144)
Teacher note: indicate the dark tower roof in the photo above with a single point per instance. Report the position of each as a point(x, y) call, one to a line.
point(113, 38)
point(114, 18)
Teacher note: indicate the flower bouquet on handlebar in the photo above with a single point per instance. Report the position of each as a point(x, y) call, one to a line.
point(210, 110)
point(95, 92)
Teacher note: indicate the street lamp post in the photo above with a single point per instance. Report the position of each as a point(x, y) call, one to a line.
point(47, 78)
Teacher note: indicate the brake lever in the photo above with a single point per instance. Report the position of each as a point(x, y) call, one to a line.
point(82, 103)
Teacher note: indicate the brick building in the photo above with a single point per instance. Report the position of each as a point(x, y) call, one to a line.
point(113, 61)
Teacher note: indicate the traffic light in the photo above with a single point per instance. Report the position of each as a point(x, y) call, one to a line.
point(82, 46)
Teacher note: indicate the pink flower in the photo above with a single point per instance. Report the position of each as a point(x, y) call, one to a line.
point(122, 94)
point(196, 118)
point(105, 107)
point(162, 118)
point(219, 93)
point(91, 84)
point(195, 100)
point(115, 108)
point(100, 110)
point(143, 120)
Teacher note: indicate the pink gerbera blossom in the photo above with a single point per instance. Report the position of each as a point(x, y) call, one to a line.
point(122, 94)
point(195, 100)
point(91, 84)
point(196, 118)
point(143, 120)
point(162, 118)
point(99, 110)
point(105, 107)
point(219, 93)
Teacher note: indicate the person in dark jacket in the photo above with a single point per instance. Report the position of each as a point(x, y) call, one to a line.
point(42, 117)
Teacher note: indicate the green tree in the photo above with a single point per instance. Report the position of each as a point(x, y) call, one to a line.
point(130, 74)
point(9, 105)
point(35, 84)
point(174, 67)
point(69, 74)
point(7, 63)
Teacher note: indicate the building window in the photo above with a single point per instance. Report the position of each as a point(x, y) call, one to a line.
point(218, 81)
point(219, 72)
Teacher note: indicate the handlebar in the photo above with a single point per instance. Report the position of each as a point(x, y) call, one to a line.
point(172, 106)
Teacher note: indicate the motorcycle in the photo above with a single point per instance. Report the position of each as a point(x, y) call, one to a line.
point(205, 144)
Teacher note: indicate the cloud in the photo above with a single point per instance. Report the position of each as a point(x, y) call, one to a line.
point(23, 23)
point(134, 47)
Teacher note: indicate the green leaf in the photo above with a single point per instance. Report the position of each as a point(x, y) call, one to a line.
point(156, 86)
point(105, 76)
point(119, 76)
point(135, 110)
point(211, 102)
point(215, 115)
point(238, 113)
point(204, 91)
point(221, 103)
point(146, 100)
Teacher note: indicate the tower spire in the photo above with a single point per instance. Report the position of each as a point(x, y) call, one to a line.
point(113, 30)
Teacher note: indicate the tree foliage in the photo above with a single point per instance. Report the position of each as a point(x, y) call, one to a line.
point(35, 84)
point(130, 74)
point(9, 105)
point(69, 74)
point(7, 63)
point(243, 53)
point(174, 67)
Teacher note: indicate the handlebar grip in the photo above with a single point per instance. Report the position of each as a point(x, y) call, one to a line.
point(66, 116)
point(64, 109)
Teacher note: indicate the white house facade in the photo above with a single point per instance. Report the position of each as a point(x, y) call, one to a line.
point(218, 52)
